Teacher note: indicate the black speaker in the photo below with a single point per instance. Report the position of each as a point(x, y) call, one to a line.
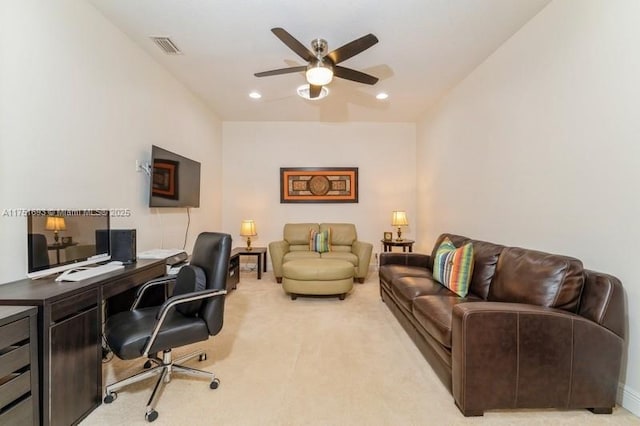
point(123, 245)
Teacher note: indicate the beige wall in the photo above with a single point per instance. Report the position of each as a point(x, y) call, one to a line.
point(254, 153)
point(79, 104)
point(539, 147)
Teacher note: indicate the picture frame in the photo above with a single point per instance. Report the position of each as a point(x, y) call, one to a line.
point(388, 236)
point(318, 185)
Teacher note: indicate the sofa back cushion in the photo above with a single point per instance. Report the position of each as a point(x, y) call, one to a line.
point(342, 234)
point(297, 235)
point(537, 278)
point(484, 268)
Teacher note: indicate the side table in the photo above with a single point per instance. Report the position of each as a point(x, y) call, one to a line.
point(388, 244)
point(259, 252)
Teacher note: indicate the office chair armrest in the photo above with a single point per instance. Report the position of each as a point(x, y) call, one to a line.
point(144, 287)
point(171, 303)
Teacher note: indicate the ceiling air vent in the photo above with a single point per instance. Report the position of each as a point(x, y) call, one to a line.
point(167, 46)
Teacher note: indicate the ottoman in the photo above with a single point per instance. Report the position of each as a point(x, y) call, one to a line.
point(317, 277)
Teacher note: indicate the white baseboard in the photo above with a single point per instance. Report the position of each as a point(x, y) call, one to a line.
point(629, 399)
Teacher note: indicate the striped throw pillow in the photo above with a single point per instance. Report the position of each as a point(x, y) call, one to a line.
point(320, 241)
point(453, 267)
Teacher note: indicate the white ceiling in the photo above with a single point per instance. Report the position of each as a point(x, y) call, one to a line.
point(426, 47)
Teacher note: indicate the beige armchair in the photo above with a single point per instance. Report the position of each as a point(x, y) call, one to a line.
point(344, 246)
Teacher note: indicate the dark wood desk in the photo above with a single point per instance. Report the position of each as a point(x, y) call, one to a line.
point(69, 335)
point(259, 252)
point(389, 244)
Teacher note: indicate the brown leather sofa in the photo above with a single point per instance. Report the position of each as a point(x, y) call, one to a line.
point(535, 331)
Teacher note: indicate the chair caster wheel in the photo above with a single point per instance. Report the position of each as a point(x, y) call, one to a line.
point(109, 398)
point(151, 416)
point(214, 383)
point(202, 357)
point(147, 364)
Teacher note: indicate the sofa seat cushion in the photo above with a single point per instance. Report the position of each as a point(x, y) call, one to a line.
point(294, 255)
point(341, 255)
point(434, 314)
point(390, 271)
point(406, 289)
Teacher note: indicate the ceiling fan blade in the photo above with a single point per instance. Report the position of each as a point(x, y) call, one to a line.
point(353, 75)
point(314, 91)
point(280, 71)
point(293, 44)
point(353, 48)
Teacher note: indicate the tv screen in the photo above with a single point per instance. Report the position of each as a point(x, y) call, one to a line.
point(175, 180)
point(61, 239)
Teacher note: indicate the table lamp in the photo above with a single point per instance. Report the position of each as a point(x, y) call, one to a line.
point(248, 229)
point(55, 224)
point(399, 219)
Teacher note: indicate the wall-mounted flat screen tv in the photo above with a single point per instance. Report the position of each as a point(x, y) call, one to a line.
point(58, 240)
point(175, 180)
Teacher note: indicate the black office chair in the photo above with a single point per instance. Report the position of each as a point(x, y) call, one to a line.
point(192, 314)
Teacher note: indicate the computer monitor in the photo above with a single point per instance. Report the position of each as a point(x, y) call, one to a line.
point(58, 240)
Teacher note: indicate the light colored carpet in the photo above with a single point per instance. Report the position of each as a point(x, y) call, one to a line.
point(313, 361)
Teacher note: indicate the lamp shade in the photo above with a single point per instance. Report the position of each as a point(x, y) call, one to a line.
point(248, 228)
point(55, 223)
point(399, 218)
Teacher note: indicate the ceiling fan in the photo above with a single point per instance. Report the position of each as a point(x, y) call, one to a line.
point(322, 66)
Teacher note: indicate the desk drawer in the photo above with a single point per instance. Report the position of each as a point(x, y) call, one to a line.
point(73, 305)
point(121, 285)
point(18, 414)
point(14, 332)
point(13, 386)
point(13, 358)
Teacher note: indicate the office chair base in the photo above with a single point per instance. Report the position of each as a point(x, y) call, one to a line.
point(165, 368)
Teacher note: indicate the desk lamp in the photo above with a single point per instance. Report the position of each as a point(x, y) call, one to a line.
point(55, 224)
point(248, 229)
point(399, 219)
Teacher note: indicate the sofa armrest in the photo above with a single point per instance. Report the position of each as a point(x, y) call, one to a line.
point(510, 355)
point(363, 251)
point(277, 250)
point(406, 259)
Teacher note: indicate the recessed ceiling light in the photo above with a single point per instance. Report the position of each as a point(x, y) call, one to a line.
point(382, 96)
point(303, 92)
point(255, 95)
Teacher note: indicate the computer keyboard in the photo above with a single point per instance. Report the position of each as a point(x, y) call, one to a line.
point(84, 273)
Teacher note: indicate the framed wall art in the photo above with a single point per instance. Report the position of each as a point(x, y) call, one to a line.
point(319, 185)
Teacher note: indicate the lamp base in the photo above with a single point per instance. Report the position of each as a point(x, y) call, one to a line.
point(248, 248)
point(399, 235)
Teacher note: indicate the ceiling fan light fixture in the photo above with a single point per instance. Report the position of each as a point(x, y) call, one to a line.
point(303, 92)
point(319, 73)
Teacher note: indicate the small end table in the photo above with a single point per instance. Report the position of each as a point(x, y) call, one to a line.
point(388, 244)
point(259, 252)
